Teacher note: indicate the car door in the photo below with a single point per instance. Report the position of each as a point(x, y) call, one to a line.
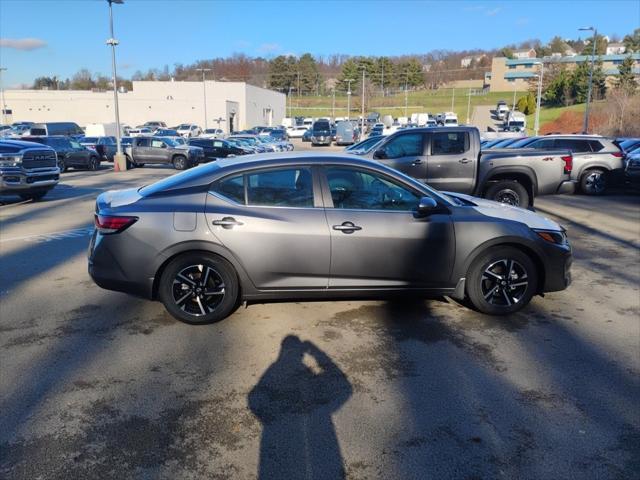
point(377, 239)
point(218, 148)
point(159, 151)
point(452, 162)
point(404, 152)
point(273, 222)
point(142, 151)
point(79, 154)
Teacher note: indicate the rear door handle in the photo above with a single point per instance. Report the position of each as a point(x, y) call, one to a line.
point(464, 160)
point(347, 227)
point(227, 222)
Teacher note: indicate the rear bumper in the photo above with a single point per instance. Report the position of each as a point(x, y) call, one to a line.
point(567, 187)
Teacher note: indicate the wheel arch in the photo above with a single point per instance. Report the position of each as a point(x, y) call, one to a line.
point(523, 175)
point(244, 282)
point(529, 250)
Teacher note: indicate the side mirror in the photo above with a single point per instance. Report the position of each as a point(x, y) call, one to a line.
point(427, 205)
point(164, 145)
point(380, 154)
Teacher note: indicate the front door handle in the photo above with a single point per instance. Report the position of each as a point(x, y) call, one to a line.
point(347, 227)
point(417, 161)
point(464, 160)
point(227, 222)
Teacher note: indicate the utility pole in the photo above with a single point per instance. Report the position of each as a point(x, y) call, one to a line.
point(204, 92)
point(290, 115)
point(585, 126)
point(453, 97)
point(333, 105)
point(363, 72)
point(382, 80)
point(406, 94)
point(536, 127)
point(349, 80)
point(3, 105)
point(468, 106)
point(298, 73)
point(513, 106)
point(119, 160)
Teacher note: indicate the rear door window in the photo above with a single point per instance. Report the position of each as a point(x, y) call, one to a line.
point(595, 145)
point(575, 145)
point(543, 144)
point(449, 143)
point(157, 144)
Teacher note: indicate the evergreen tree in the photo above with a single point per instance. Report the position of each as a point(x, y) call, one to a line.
point(632, 42)
point(626, 79)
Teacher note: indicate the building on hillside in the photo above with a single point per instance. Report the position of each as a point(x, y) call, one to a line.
point(616, 48)
point(509, 74)
point(524, 53)
point(465, 62)
point(230, 105)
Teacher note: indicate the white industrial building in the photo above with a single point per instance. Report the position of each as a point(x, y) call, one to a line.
point(238, 105)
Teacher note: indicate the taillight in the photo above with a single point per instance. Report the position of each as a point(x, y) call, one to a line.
point(568, 163)
point(107, 224)
point(617, 154)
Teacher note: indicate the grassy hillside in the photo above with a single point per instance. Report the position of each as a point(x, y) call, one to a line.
point(550, 114)
point(432, 101)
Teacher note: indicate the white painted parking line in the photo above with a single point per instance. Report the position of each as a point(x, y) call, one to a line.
point(50, 236)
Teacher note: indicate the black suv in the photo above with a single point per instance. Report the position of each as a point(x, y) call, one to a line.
point(69, 152)
point(214, 148)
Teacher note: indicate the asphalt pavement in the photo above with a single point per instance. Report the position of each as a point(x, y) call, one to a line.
point(98, 384)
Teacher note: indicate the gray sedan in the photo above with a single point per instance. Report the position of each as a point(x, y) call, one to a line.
point(309, 226)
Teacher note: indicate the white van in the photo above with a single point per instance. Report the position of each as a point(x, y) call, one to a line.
point(101, 130)
point(516, 121)
point(502, 112)
point(422, 119)
point(450, 119)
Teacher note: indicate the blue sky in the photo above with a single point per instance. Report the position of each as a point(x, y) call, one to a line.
point(58, 37)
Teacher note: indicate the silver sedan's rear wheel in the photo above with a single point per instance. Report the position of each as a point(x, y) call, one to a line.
point(199, 288)
point(502, 280)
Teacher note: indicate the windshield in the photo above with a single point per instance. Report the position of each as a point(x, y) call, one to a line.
point(170, 141)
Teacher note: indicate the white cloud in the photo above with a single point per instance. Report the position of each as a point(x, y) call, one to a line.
point(269, 48)
point(493, 12)
point(24, 44)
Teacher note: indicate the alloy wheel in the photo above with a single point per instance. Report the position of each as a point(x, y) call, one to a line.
point(504, 282)
point(198, 290)
point(595, 182)
point(508, 196)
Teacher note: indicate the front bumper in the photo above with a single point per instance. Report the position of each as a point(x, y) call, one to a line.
point(20, 180)
point(557, 267)
point(567, 187)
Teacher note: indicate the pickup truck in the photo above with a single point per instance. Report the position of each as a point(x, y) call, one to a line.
point(143, 150)
point(27, 169)
point(450, 159)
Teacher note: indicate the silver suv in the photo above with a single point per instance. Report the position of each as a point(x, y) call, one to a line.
point(596, 160)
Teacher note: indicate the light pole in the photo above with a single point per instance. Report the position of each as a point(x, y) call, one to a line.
point(290, 115)
point(453, 97)
point(119, 162)
point(536, 127)
point(468, 106)
point(204, 93)
point(406, 94)
point(349, 80)
point(513, 106)
point(585, 126)
point(333, 105)
point(3, 105)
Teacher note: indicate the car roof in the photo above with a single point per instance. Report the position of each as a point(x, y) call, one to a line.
point(286, 158)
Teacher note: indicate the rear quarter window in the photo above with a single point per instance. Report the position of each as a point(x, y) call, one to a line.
point(596, 146)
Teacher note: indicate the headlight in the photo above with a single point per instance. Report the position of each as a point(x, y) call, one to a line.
point(10, 161)
point(553, 236)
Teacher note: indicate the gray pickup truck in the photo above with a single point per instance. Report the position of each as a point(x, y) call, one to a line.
point(143, 150)
point(27, 169)
point(449, 159)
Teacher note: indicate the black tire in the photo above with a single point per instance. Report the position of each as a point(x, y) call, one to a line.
point(493, 295)
point(130, 163)
point(62, 165)
point(221, 276)
point(34, 196)
point(94, 164)
point(593, 181)
point(508, 191)
point(139, 165)
point(180, 162)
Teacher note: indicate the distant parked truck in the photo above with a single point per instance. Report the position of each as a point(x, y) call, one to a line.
point(101, 130)
point(27, 169)
point(450, 119)
point(502, 112)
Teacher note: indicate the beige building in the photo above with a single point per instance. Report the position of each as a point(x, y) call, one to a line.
point(237, 105)
point(508, 75)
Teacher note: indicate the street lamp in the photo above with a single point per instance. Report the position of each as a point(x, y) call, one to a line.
point(204, 93)
point(585, 126)
point(363, 72)
point(349, 80)
point(536, 127)
point(119, 161)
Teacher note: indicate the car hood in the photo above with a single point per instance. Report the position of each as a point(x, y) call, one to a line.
point(508, 212)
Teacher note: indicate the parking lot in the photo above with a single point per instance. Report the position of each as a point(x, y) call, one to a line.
point(98, 384)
